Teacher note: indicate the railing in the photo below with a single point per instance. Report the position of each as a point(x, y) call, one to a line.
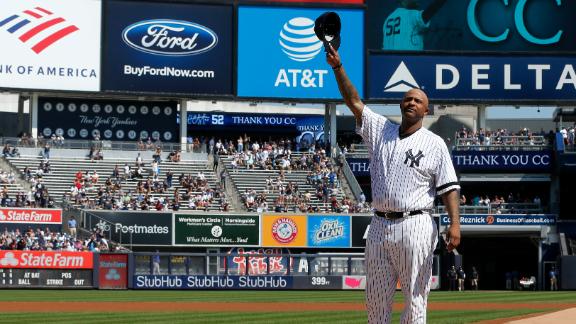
point(508, 143)
point(505, 208)
point(349, 175)
point(87, 144)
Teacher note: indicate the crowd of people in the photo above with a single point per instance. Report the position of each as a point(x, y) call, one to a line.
point(154, 190)
point(46, 240)
point(502, 136)
point(511, 204)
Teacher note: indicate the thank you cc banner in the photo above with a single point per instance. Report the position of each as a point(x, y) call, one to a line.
point(520, 161)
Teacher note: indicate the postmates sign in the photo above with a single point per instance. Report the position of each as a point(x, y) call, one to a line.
point(284, 230)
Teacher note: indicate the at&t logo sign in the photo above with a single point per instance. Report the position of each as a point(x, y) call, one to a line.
point(299, 42)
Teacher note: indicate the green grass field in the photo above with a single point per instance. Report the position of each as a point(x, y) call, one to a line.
point(263, 297)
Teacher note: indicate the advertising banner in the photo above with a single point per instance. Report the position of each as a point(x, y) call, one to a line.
point(116, 120)
point(360, 167)
point(280, 56)
point(216, 230)
point(136, 228)
point(17, 259)
point(487, 78)
point(318, 282)
point(329, 231)
point(360, 227)
point(502, 219)
point(30, 216)
point(307, 129)
point(112, 271)
point(212, 282)
point(242, 261)
point(472, 25)
point(280, 231)
point(168, 48)
point(51, 45)
point(520, 161)
point(41, 278)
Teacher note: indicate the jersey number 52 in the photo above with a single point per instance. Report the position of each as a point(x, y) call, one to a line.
point(393, 26)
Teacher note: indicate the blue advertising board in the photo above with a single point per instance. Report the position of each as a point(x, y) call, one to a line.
point(211, 282)
point(502, 219)
point(167, 48)
point(473, 25)
point(359, 166)
point(329, 231)
point(473, 77)
point(502, 160)
point(307, 129)
point(279, 56)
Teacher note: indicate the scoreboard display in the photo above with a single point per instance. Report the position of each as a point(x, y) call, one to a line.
point(45, 278)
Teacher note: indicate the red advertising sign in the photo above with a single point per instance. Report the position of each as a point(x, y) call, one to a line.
point(113, 271)
point(30, 216)
point(45, 260)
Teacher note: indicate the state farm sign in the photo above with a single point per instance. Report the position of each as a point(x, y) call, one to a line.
point(46, 259)
point(30, 216)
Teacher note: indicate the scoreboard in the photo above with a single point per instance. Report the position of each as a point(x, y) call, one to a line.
point(46, 278)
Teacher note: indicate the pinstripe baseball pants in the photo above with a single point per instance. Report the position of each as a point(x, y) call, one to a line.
point(401, 249)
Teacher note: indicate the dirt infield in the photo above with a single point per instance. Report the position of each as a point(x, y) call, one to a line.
point(245, 307)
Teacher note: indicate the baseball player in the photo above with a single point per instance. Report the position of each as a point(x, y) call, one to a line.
point(409, 166)
point(404, 28)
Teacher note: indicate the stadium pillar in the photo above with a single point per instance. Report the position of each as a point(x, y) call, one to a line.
point(183, 124)
point(330, 128)
point(34, 116)
point(481, 117)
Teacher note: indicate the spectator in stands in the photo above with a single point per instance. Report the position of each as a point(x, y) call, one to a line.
point(140, 145)
point(72, 225)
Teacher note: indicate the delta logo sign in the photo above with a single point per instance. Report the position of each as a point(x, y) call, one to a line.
point(473, 77)
point(30, 216)
point(50, 44)
point(45, 260)
point(279, 54)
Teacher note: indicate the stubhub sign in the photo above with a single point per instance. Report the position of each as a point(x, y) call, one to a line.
point(473, 77)
point(280, 56)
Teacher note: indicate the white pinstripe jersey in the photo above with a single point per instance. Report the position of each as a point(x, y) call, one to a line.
point(406, 173)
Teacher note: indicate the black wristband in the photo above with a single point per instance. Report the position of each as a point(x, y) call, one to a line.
point(337, 67)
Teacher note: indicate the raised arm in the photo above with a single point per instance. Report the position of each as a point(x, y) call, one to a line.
point(452, 203)
point(347, 89)
point(432, 9)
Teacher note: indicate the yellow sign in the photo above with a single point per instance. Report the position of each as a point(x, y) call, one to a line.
point(284, 230)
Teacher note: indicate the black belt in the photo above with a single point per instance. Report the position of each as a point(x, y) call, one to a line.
point(397, 215)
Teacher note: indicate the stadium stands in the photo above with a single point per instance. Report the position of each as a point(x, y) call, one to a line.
point(110, 192)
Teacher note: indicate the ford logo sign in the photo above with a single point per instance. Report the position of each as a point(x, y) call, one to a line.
point(169, 37)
